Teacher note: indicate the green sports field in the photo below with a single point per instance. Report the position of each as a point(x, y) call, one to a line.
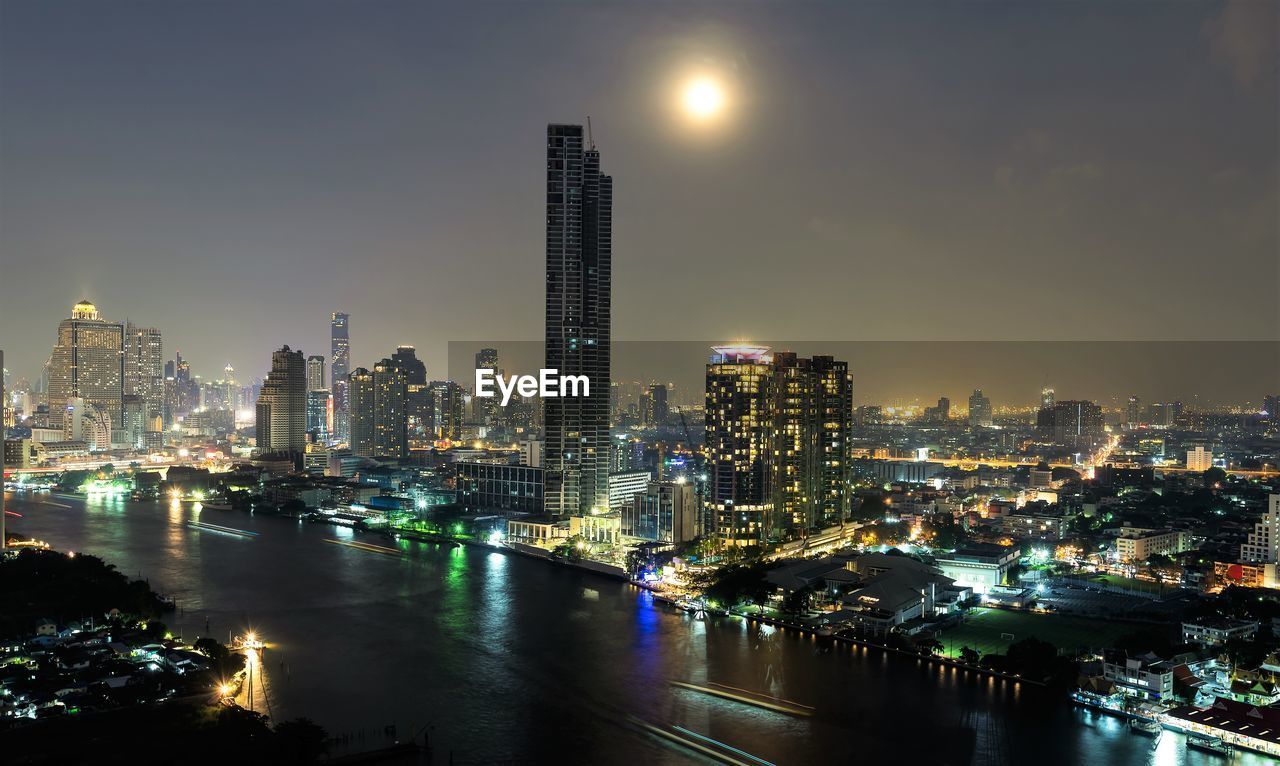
point(984, 630)
point(1132, 584)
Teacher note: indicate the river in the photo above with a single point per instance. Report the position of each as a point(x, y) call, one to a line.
point(508, 659)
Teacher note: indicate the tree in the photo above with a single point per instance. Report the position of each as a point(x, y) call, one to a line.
point(1015, 573)
point(635, 562)
point(797, 601)
point(211, 648)
point(872, 508)
point(300, 741)
point(572, 549)
point(156, 630)
point(942, 531)
point(739, 583)
point(969, 656)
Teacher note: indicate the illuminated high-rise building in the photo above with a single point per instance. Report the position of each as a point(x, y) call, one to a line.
point(1047, 397)
point(390, 408)
point(653, 408)
point(1199, 458)
point(339, 369)
point(833, 402)
point(360, 387)
point(87, 363)
point(319, 400)
point(318, 414)
point(447, 409)
point(1133, 411)
point(579, 210)
point(315, 372)
point(144, 373)
point(1263, 544)
point(380, 406)
point(740, 445)
point(812, 412)
point(486, 407)
point(282, 404)
point(980, 414)
point(1075, 424)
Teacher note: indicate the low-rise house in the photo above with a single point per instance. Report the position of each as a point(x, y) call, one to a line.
point(1255, 692)
point(1145, 676)
point(1216, 632)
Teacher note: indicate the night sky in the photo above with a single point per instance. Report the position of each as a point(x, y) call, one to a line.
point(233, 172)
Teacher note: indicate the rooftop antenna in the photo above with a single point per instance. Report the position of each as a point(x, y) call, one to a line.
point(591, 141)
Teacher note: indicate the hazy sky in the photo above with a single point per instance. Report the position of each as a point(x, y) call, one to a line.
point(233, 172)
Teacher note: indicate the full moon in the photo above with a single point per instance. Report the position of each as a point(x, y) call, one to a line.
point(703, 98)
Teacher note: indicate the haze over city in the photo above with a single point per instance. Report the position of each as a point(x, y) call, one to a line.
point(939, 172)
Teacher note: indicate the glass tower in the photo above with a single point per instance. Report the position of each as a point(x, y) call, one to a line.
point(339, 368)
point(579, 255)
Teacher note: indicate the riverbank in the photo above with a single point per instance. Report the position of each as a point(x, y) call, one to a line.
point(618, 573)
point(802, 629)
point(363, 640)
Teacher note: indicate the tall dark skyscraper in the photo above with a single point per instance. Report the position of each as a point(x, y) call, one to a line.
point(579, 259)
point(339, 368)
point(406, 358)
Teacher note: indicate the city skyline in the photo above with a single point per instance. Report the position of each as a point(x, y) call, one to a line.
point(921, 352)
point(885, 372)
point(1069, 186)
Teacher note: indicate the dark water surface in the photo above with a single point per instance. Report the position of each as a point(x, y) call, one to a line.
point(509, 659)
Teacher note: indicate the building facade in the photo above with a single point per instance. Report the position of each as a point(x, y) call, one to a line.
point(499, 488)
point(1134, 546)
point(625, 485)
point(665, 512)
point(1263, 543)
point(979, 567)
point(1199, 459)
